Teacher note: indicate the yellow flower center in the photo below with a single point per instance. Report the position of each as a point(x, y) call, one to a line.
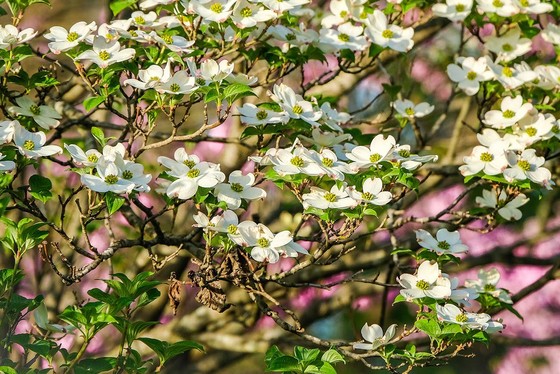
point(35, 109)
point(216, 8)
point(297, 109)
point(507, 47)
point(167, 39)
point(175, 87)
point(261, 115)
point(374, 157)
point(93, 158)
point(193, 173)
point(29, 145)
point(232, 229)
point(471, 75)
point(246, 12)
point(409, 111)
point(387, 34)
point(444, 245)
point(297, 161)
point(127, 174)
point(104, 55)
point(111, 179)
point(237, 187)
point(462, 318)
point(367, 196)
point(327, 162)
point(509, 114)
point(72, 36)
point(344, 37)
point(507, 72)
point(460, 7)
point(422, 285)
point(330, 197)
point(404, 153)
point(531, 131)
point(524, 165)
point(263, 242)
point(486, 157)
point(140, 20)
point(489, 287)
point(189, 163)
point(497, 3)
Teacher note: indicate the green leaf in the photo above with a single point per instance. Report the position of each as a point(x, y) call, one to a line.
point(429, 326)
point(237, 91)
point(95, 365)
point(99, 136)
point(165, 350)
point(92, 102)
point(332, 356)
point(305, 355)
point(327, 368)
point(40, 188)
point(399, 299)
point(272, 354)
point(283, 363)
point(114, 202)
point(7, 369)
point(119, 5)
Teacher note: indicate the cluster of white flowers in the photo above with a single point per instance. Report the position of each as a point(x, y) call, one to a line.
point(445, 242)
point(349, 26)
point(29, 144)
point(523, 126)
point(109, 171)
point(263, 243)
point(430, 282)
point(458, 10)
point(189, 174)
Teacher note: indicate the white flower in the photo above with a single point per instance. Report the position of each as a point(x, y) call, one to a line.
point(180, 160)
point(134, 172)
point(43, 115)
point(508, 46)
point(7, 130)
point(513, 77)
point(527, 165)
point(246, 14)
point(203, 222)
point(293, 161)
point(32, 144)
point(203, 174)
point(535, 130)
point(374, 335)
point(508, 208)
point(63, 40)
point(504, 8)
point(179, 84)
point(446, 242)
point(401, 155)
point(87, 158)
point(379, 150)
point(551, 33)
point(252, 115)
point(108, 179)
point(386, 35)
point(428, 282)
point(336, 198)
point(487, 282)
point(453, 10)
point(141, 19)
point(490, 138)
point(346, 36)
point(228, 223)
point(148, 4)
point(281, 6)
point(479, 321)
point(469, 74)
point(213, 10)
point(372, 193)
point(240, 187)
point(333, 118)
point(533, 6)
point(295, 105)
point(105, 53)
point(293, 37)
point(10, 36)
point(268, 246)
point(549, 76)
point(151, 77)
point(463, 295)
point(175, 43)
point(326, 139)
point(407, 108)
point(342, 11)
point(491, 161)
point(6, 165)
point(512, 110)
point(328, 162)
point(211, 71)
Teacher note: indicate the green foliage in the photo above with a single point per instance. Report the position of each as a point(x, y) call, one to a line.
point(304, 360)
